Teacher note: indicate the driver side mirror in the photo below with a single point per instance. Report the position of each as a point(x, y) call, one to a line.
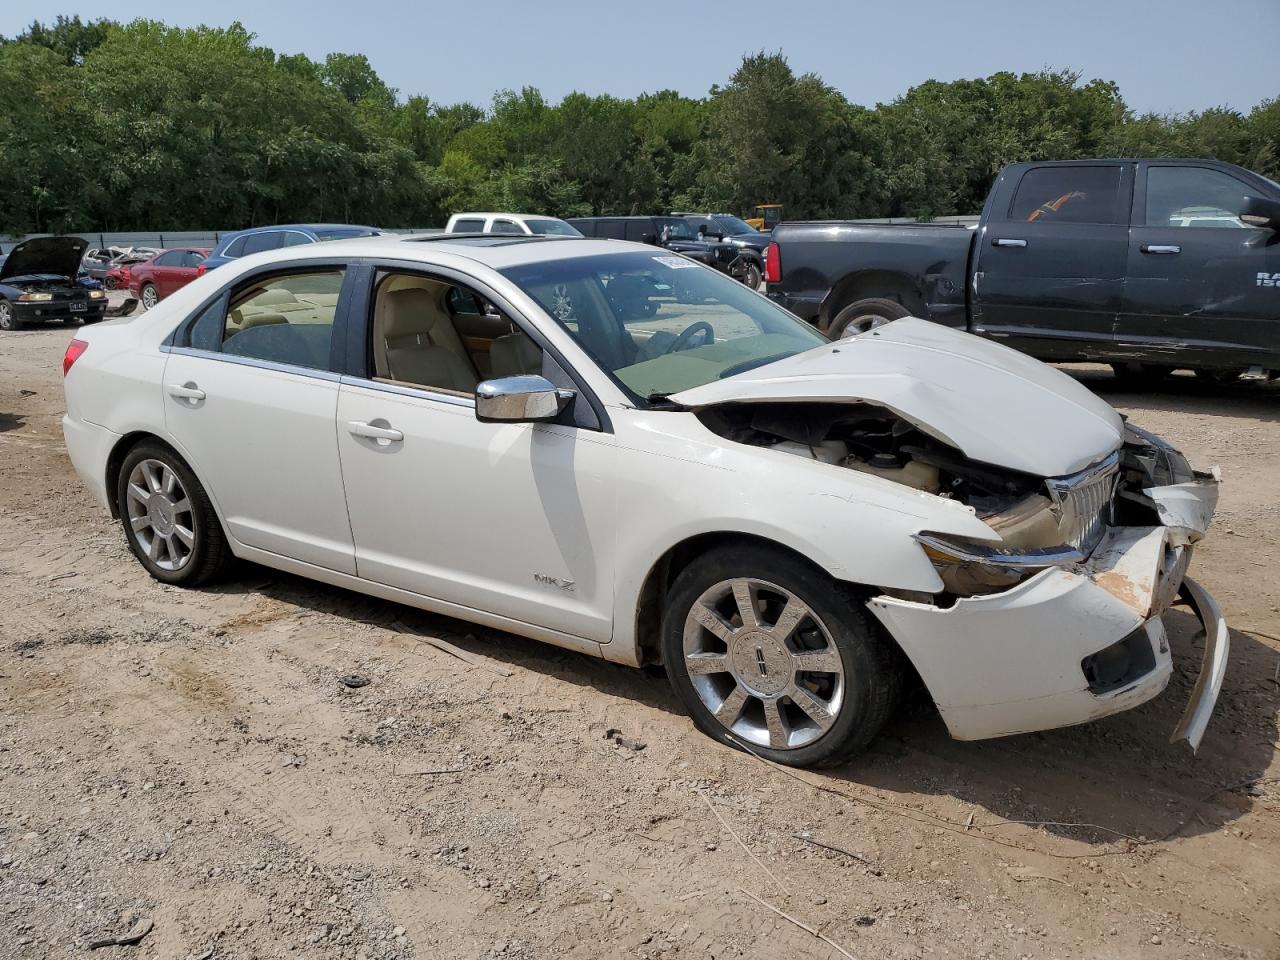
point(526, 398)
point(1261, 212)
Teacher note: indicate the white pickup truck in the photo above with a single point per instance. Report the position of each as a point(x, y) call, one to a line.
point(519, 224)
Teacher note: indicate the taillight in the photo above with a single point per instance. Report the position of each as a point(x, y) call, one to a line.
point(201, 270)
point(75, 349)
point(772, 264)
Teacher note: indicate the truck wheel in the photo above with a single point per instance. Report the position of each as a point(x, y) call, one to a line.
point(1218, 376)
point(771, 655)
point(751, 276)
point(864, 315)
point(1141, 374)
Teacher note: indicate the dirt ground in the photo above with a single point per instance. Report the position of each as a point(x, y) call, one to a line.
point(193, 760)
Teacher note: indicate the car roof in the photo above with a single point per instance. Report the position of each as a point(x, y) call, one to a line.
point(313, 227)
point(497, 251)
point(500, 213)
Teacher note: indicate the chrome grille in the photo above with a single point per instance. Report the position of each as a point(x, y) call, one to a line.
point(1084, 503)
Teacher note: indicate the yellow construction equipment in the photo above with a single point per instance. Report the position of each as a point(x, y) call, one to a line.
point(767, 216)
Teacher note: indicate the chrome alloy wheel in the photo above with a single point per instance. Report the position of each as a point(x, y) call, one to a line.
point(763, 664)
point(149, 296)
point(160, 515)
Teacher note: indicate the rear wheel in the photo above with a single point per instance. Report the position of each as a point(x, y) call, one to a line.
point(1218, 376)
point(168, 519)
point(864, 315)
point(1142, 374)
point(770, 655)
point(8, 319)
point(109, 282)
point(150, 296)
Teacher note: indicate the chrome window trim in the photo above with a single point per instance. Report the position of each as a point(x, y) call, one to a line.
point(420, 393)
point(312, 372)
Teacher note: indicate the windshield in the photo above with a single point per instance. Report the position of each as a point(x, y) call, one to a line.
point(660, 323)
point(344, 234)
point(732, 225)
point(554, 228)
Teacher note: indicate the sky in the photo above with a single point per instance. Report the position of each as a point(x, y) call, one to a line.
point(1166, 55)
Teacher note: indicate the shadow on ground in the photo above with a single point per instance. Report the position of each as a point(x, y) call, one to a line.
point(1120, 773)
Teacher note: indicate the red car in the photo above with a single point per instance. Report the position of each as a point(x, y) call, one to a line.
point(153, 280)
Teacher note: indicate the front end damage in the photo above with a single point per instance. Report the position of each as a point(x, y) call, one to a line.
point(1080, 635)
point(1056, 619)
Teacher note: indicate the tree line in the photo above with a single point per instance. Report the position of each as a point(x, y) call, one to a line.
point(141, 126)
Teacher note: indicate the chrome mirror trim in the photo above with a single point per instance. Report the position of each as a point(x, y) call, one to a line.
point(526, 398)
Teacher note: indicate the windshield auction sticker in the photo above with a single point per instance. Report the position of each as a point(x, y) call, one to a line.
point(676, 263)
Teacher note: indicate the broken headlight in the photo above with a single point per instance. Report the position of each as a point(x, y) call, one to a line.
point(1160, 464)
point(973, 567)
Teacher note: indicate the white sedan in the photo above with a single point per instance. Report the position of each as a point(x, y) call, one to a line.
point(621, 452)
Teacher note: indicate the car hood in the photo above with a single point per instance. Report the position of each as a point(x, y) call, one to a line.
point(44, 255)
point(992, 403)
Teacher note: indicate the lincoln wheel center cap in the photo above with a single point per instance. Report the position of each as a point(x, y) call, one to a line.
point(761, 664)
point(160, 512)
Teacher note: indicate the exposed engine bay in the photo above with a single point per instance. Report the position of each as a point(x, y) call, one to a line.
point(1040, 521)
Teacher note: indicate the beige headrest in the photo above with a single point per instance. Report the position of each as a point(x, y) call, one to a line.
point(409, 312)
point(274, 296)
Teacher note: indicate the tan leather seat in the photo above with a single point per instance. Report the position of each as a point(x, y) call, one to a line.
point(514, 354)
point(421, 345)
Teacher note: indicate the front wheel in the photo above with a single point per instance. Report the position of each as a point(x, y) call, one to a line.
point(751, 276)
point(168, 519)
point(769, 655)
point(109, 282)
point(8, 319)
point(864, 315)
point(150, 296)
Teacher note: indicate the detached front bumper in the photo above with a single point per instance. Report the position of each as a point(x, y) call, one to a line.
point(1067, 646)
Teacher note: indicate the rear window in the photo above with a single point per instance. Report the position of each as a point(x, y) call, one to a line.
point(552, 228)
point(258, 242)
point(468, 226)
point(1083, 194)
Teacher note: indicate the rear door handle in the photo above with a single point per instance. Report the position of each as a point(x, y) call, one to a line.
point(359, 428)
point(1008, 242)
point(1160, 248)
point(185, 391)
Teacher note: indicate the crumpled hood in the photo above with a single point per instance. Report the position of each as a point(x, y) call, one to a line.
point(996, 405)
point(45, 255)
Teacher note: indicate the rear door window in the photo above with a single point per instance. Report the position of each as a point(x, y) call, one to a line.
point(280, 319)
point(258, 242)
point(235, 248)
point(173, 258)
point(1080, 194)
point(639, 231)
point(612, 229)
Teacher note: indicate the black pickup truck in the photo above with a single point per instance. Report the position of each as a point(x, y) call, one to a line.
point(1149, 265)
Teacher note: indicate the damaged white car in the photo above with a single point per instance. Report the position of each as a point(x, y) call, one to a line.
point(618, 451)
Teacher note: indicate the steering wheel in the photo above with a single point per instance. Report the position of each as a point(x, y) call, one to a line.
point(688, 333)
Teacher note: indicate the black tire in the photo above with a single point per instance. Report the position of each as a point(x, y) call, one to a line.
point(1142, 374)
point(142, 295)
point(209, 554)
point(1218, 376)
point(8, 319)
point(109, 282)
point(865, 315)
point(751, 275)
point(872, 666)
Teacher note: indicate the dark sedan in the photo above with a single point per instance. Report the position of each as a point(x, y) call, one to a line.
point(38, 284)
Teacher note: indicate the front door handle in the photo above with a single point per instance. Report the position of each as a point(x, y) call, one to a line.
point(370, 431)
point(1160, 248)
point(1008, 242)
point(185, 391)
